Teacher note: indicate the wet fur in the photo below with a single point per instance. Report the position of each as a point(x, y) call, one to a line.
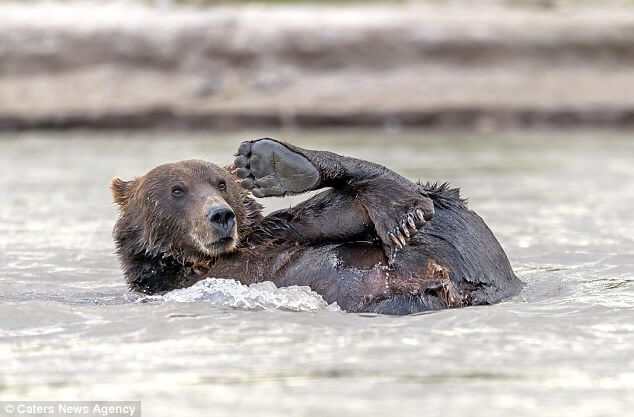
point(328, 242)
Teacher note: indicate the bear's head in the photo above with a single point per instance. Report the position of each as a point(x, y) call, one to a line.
point(188, 210)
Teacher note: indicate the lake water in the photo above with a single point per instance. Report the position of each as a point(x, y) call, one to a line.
point(561, 204)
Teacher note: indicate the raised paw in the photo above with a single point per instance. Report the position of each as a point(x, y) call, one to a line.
point(269, 168)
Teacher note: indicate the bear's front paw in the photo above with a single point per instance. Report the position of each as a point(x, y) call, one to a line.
point(397, 223)
point(269, 168)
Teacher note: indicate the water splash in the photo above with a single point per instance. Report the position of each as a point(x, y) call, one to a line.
point(259, 296)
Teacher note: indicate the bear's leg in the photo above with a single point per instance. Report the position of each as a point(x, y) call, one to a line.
point(395, 206)
point(272, 168)
point(366, 210)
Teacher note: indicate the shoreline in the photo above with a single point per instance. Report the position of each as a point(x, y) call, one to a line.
point(477, 119)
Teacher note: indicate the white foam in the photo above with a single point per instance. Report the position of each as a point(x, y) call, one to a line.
point(259, 296)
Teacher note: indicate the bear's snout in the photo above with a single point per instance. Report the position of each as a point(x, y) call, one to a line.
point(223, 219)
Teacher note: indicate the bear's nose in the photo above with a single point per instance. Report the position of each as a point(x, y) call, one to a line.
point(222, 218)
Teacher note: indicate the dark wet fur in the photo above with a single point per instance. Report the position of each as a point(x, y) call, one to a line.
point(332, 243)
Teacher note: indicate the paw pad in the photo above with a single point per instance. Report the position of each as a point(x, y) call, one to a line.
point(268, 168)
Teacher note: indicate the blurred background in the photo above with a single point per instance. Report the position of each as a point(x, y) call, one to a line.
point(206, 64)
point(526, 105)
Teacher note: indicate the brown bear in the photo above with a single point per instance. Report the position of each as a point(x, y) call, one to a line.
point(372, 242)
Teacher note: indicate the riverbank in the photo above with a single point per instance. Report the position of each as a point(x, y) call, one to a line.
point(128, 66)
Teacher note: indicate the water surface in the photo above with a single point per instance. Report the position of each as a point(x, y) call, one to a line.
point(560, 203)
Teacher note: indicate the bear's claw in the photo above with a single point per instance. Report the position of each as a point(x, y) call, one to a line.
point(269, 168)
point(396, 235)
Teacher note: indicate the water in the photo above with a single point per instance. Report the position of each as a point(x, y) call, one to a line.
point(560, 203)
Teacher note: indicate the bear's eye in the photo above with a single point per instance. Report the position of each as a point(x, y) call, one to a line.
point(222, 186)
point(178, 191)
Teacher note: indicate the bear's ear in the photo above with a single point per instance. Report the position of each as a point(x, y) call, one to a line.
point(121, 191)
